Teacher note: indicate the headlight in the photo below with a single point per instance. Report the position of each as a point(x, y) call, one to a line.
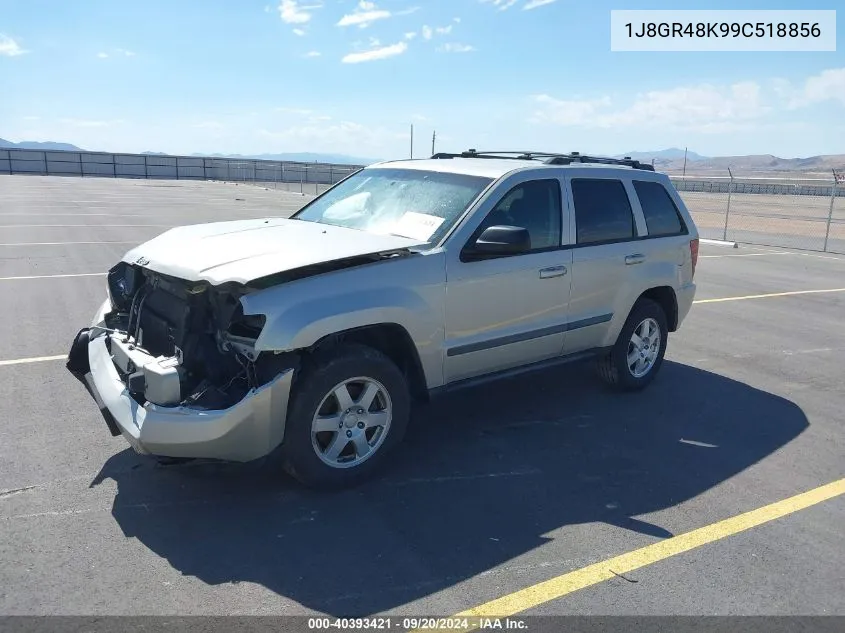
point(122, 284)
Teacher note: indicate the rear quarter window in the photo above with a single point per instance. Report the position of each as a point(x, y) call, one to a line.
point(661, 215)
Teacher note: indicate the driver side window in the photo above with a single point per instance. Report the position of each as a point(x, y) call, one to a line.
point(534, 205)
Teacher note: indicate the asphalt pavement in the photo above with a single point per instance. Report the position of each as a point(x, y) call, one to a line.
point(495, 490)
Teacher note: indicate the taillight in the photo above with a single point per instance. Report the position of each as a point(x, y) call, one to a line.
point(693, 252)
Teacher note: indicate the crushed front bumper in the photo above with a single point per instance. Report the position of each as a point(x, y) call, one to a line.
point(248, 430)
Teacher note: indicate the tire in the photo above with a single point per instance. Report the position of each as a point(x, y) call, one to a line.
point(614, 368)
point(315, 391)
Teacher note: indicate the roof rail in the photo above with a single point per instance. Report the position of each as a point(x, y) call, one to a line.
point(550, 158)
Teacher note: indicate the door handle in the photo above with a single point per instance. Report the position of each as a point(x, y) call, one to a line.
point(634, 259)
point(553, 271)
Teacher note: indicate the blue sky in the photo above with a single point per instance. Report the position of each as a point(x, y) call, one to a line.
point(351, 76)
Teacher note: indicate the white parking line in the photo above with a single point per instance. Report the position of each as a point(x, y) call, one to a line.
point(772, 294)
point(53, 276)
point(763, 254)
point(36, 359)
point(746, 255)
point(87, 226)
point(60, 243)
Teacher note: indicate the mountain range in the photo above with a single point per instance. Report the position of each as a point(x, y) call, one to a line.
point(46, 145)
point(670, 160)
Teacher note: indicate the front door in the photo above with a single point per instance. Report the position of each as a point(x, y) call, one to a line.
point(507, 311)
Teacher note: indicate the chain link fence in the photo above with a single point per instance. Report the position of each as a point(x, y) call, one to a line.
point(307, 178)
point(801, 212)
point(806, 213)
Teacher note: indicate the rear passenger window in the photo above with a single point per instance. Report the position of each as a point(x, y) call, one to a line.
point(602, 210)
point(661, 214)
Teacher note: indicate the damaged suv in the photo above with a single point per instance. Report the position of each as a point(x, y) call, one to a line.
point(309, 338)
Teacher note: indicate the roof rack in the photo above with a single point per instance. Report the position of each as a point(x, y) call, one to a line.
point(550, 158)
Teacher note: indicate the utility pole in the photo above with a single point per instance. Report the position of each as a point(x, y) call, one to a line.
point(433, 138)
point(685, 164)
point(412, 140)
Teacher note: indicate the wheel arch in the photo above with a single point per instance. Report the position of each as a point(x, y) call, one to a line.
point(392, 340)
point(665, 297)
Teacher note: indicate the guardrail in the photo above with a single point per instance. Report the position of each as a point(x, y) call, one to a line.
point(106, 165)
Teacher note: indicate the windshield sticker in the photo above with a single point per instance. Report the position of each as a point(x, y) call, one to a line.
point(418, 226)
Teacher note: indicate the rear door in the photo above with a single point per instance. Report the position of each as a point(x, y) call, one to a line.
point(604, 247)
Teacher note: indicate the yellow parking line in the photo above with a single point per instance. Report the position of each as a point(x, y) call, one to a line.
point(772, 294)
point(543, 592)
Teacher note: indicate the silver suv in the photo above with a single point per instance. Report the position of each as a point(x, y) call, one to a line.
point(309, 337)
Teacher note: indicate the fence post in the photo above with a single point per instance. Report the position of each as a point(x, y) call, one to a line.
point(146, 167)
point(728, 209)
point(830, 212)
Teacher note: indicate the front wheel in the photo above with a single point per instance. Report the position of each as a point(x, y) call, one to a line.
point(638, 353)
point(349, 410)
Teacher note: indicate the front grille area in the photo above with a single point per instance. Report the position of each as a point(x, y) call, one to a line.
point(164, 319)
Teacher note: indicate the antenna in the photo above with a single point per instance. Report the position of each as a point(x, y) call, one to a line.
point(433, 138)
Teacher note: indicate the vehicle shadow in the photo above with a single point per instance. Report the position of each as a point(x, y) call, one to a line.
point(481, 478)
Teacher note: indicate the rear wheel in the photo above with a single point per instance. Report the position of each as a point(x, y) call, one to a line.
point(638, 353)
point(349, 411)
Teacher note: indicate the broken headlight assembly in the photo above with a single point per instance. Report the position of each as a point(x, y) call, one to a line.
point(123, 282)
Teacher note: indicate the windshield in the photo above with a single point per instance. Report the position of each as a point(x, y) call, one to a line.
point(421, 205)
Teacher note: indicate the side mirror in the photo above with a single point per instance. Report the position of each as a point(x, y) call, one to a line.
point(500, 240)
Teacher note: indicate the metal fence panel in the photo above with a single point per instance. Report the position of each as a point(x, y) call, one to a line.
point(125, 170)
point(129, 159)
point(64, 168)
point(27, 166)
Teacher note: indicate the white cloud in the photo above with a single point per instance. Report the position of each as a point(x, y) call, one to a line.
point(500, 4)
point(343, 136)
point(312, 54)
point(828, 85)
point(410, 36)
point(364, 14)
point(294, 13)
point(533, 4)
point(116, 51)
point(427, 32)
point(444, 30)
point(90, 122)
point(299, 32)
point(376, 53)
point(456, 20)
point(704, 108)
point(456, 48)
point(297, 111)
point(9, 47)
point(208, 125)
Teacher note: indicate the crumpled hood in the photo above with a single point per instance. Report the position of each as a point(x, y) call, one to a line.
point(243, 250)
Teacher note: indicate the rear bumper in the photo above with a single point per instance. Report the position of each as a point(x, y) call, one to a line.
point(248, 430)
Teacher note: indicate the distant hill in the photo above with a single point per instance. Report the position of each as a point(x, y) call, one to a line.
point(663, 154)
point(300, 157)
point(669, 160)
point(46, 145)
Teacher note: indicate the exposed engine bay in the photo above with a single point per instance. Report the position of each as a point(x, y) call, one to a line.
point(176, 342)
